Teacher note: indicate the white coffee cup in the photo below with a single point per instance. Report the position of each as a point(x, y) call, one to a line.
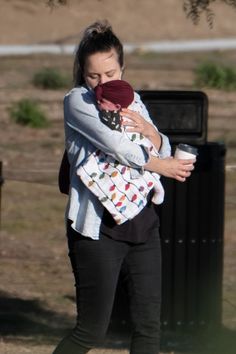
point(185, 151)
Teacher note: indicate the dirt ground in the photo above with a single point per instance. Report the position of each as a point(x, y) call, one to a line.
point(37, 304)
point(30, 22)
point(36, 291)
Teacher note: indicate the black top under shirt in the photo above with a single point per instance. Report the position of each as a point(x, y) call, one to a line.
point(136, 230)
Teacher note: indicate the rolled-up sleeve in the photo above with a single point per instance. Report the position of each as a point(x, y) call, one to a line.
point(82, 116)
point(165, 149)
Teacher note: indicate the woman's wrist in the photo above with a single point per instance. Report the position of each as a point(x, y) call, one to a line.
point(171, 167)
point(154, 137)
point(154, 164)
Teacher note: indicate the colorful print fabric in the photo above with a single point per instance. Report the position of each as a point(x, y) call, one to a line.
point(121, 189)
point(123, 196)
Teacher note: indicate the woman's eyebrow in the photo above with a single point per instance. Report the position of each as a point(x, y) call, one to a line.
point(109, 71)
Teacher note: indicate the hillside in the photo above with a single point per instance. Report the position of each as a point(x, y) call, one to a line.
point(27, 22)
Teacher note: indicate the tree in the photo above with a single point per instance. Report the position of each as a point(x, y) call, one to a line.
point(193, 8)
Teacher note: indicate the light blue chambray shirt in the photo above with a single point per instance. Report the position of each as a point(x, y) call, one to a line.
point(84, 133)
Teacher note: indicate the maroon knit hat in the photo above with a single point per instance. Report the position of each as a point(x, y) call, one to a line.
point(118, 92)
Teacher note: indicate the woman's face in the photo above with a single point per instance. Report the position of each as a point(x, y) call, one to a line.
point(102, 67)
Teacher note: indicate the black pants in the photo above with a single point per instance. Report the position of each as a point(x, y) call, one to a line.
point(96, 265)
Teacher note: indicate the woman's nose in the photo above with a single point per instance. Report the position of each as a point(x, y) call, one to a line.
point(103, 80)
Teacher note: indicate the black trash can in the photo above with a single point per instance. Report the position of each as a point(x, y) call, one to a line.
point(192, 227)
point(191, 217)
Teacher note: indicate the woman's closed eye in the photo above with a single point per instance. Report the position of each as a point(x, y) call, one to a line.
point(110, 73)
point(93, 76)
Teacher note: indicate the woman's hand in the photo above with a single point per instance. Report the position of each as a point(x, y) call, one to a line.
point(171, 167)
point(136, 123)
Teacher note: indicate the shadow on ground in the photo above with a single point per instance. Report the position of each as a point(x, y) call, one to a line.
point(27, 318)
point(208, 340)
point(30, 320)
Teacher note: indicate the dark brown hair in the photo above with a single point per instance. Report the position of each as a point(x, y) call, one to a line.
point(98, 37)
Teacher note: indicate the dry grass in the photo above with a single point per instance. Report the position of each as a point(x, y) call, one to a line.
point(36, 289)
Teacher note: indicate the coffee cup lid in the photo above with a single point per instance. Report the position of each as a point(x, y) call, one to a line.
point(188, 148)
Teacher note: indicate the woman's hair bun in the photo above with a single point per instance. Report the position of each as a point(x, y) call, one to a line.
point(98, 27)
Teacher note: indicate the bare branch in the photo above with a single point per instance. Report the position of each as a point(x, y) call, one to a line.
point(195, 8)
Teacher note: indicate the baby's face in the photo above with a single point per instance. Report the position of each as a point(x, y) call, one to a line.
point(108, 105)
point(102, 67)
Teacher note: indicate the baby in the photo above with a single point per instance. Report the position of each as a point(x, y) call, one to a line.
point(121, 189)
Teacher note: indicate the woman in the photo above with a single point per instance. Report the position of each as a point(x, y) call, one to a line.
point(98, 247)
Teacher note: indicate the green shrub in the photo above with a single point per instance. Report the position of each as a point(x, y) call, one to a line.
point(50, 78)
point(216, 76)
point(27, 112)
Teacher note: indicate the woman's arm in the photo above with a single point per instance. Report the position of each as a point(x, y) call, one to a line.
point(138, 124)
point(142, 123)
point(165, 165)
point(82, 116)
point(171, 167)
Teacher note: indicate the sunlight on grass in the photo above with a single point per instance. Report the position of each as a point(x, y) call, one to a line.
point(210, 74)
